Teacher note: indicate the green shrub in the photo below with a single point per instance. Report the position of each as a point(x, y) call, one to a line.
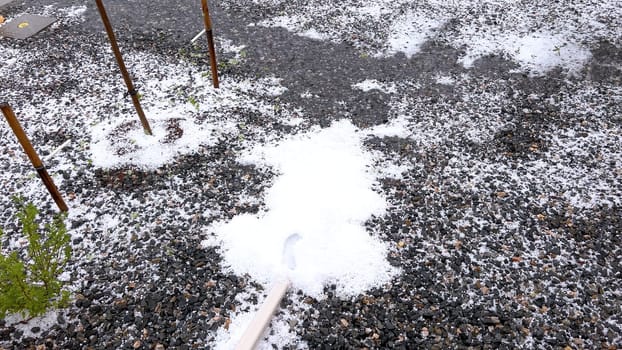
point(31, 286)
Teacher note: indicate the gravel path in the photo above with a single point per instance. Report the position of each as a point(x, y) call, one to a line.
point(505, 212)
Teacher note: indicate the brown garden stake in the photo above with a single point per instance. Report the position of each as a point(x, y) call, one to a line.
point(32, 154)
point(210, 43)
point(131, 90)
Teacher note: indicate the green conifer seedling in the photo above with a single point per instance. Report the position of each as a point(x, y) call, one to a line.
point(30, 285)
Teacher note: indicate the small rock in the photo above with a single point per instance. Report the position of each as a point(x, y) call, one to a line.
point(425, 332)
point(428, 312)
point(491, 320)
point(458, 244)
point(120, 304)
point(544, 309)
point(292, 323)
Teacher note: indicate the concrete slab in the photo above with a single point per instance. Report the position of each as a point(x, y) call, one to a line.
point(4, 2)
point(25, 26)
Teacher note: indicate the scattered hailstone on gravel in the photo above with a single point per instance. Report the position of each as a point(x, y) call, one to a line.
point(537, 36)
point(181, 119)
point(69, 15)
point(324, 196)
point(136, 148)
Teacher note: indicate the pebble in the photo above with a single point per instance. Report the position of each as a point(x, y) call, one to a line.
point(425, 332)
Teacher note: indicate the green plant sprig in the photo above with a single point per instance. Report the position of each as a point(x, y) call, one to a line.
point(31, 286)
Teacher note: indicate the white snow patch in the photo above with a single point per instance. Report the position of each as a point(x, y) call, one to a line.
point(314, 34)
point(308, 94)
point(397, 127)
point(227, 45)
point(291, 23)
point(373, 84)
point(392, 170)
point(44, 322)
point(374, 10)
point(535, 51)
point(73, 11)
point(294, 121)
point(542, 52)
point(324, 194)
point(409, 32)
point(228, 339)
point(445, 80)
point(269, 86)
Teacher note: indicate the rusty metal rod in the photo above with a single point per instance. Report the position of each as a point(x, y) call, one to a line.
point(131, 90)
point(210, 43)
point(32, 154)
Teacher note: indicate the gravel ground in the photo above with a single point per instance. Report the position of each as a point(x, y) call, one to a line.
point(505, 213)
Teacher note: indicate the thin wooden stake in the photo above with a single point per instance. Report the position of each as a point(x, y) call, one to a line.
point(262, 318)
point(32, 154)
point(210, 43)
point(131, 90)
point(58, 149)
point(193, 40)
